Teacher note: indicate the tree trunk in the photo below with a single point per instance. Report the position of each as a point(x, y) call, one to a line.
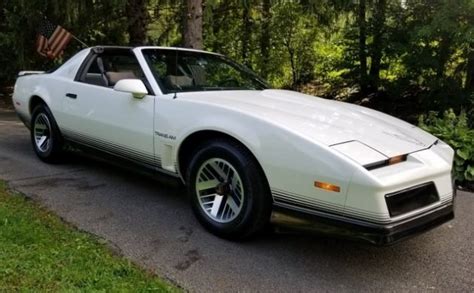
point(362, 47)
point(444, 52)
point(469, 85)
point(137, 21)
point(291, 53)
point(193, 24)
point(294, 72)
point(265, 38)
point(376, 52)
point(247, 26)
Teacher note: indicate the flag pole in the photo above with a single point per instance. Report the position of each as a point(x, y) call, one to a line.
point(82, 43)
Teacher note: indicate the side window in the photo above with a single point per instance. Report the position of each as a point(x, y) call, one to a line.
point(94, 75)
point(108, 68)
point(164, 68)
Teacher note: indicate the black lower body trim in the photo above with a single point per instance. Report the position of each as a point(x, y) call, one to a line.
point(383, 234)
point(118, 159)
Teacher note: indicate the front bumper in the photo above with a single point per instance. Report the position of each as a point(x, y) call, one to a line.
point(378, 234)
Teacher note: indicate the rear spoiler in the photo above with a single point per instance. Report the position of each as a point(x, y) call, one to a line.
point(29, 72)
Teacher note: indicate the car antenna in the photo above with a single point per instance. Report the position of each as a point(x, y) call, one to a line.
point(176, 76)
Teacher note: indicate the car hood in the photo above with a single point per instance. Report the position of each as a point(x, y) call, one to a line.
point(326, 121)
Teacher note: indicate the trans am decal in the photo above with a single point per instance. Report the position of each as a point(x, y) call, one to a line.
point(165, 135)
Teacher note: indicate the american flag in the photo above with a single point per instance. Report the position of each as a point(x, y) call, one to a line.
point(51, 39)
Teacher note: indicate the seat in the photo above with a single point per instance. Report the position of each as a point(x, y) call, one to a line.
point(100, 65)
point(113, 76)
point(199, 74)
point(95, 79)
point(178, 81)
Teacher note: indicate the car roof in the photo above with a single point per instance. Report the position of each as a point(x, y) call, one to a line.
point(153, 47)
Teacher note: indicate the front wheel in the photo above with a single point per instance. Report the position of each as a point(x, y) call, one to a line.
point(228, 191)
point(45, 136)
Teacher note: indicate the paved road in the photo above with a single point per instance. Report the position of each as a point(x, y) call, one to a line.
point(151, 224)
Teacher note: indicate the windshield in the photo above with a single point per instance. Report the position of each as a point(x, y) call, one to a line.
point(187, 71)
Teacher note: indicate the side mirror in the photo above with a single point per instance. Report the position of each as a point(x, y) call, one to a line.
point(134, 86)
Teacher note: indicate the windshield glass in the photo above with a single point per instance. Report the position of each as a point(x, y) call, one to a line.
point(188, 71)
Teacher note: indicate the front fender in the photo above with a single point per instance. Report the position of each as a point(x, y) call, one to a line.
point(289, 161)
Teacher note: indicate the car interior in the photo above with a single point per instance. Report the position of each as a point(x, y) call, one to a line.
point(186, 71)
point(190, 71)
point(110, 67)
point(107, 69)
point(170, 73)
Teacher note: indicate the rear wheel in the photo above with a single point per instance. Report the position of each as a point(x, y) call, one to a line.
point(228, 191)
point(45, 136)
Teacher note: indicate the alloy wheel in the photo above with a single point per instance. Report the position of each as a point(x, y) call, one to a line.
point(220, 190)
point(42, 132)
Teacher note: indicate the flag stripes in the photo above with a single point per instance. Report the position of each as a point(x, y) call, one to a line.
point(59, 40)
point(41, 45)
point(51, 40)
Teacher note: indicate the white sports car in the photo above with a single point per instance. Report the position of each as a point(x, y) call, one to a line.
point(247, 154)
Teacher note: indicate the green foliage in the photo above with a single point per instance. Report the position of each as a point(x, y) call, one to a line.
point(425, 47)
point(166, 20)
point(438, 36)
point(39, 252)
point(454, 130)
point(294, 41)
point(329, 54)
point(92, 21)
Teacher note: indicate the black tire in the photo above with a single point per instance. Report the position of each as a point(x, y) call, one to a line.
point(256, 199)
point(51, 150)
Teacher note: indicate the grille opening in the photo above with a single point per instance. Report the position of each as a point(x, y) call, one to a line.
point(408, 200)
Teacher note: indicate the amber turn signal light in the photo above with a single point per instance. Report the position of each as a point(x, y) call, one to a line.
point(327, 186)
point(397, 159)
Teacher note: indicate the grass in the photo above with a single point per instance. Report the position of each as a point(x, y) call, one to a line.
point(39, 252)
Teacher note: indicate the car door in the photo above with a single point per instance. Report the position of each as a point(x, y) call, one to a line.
point(98, 116)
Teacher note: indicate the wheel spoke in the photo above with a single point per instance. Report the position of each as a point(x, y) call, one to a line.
point(232, 205)
point(207, 184)
point(236, 197)
point(42, 140)
point(207, 196)
point(225, 202)
point(42, 132)
point(234, 181)
point(40, 126)
point(218, 170)
point(216, 204)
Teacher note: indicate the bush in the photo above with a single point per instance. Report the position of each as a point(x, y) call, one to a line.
point(455, 131)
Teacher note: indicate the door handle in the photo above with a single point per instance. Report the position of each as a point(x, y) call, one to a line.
point(72, 96)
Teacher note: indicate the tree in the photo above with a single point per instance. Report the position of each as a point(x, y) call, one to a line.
point(193, 25)
point(441, 34)
point(100, 23)
point(294, 37)
point(378, 29)
point(137, 21)
point(421, 50)
point(265, 38)
point(166, 22)
point(469, 84)
point(362, 46)
point(246, 33)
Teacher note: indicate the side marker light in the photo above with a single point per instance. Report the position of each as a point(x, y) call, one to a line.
point(327, 186)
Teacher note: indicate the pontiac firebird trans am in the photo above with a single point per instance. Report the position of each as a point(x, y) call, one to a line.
point(249, 155)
